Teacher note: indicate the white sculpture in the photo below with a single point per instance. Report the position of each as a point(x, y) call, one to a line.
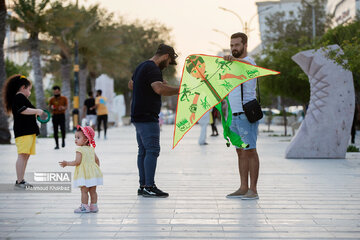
point(325, 131)
point(106, 85)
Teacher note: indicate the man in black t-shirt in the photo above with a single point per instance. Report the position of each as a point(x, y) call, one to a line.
point(148, 86)
point(89, 111)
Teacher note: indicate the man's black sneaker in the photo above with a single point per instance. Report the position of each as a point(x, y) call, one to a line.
point(140, 190)
point(154, 192)
point(23, 184)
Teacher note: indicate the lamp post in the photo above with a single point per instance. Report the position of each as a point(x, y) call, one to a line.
point(75, 112)
point(218, 45)
point(245, 25)
point(313, 20)
point(223, 33)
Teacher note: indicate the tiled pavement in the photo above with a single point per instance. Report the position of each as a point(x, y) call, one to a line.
point(299, 199)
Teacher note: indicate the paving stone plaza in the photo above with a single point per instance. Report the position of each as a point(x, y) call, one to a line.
point(299, 198)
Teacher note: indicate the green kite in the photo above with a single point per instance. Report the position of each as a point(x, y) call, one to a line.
point(205, 83)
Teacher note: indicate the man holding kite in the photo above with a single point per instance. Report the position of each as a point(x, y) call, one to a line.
point(210, 81)
point(148, 86)
point(248, 159)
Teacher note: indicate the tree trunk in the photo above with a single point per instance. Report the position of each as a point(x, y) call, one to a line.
point(36, 66)
point(83, 74)
point(269, 119)
point(92, 76)
point(5, 135)
point(285, 118)
point(66, 71)
point(127, 100)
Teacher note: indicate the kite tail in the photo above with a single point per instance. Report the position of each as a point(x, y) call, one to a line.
point(229, 135)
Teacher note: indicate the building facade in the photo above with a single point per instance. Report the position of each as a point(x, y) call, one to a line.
point(12, 38)
point(343, 11)
point(265, 9)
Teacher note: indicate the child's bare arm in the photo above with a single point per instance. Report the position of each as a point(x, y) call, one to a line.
point(32, 111)
point(97, 160)
point(72, 163)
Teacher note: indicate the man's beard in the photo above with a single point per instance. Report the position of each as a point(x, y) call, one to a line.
point(162, 65)
point(237, 54)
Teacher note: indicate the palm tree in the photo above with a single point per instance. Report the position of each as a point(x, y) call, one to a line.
point(4, 126)
point(61, 28)
point(89, 26)
point(141, 39)
point(98, 43)
point(87, 36)
point(30, 15)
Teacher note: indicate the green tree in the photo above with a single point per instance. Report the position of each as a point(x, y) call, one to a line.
point(60, 29)
point(97, 46)
point(286, 36)
point(99, 43)
point(141, 40)
point(291, 82)
point(296, 29)
point(12, 68)
point(5, 135)
point(30, 15)
point(348, 38)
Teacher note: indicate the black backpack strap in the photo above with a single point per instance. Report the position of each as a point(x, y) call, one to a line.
point(257, 90)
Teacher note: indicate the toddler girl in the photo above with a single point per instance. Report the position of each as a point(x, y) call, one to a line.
point(87, 173)
point(16, 92)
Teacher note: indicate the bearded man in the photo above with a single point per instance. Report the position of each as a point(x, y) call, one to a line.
point(148, 86)
point(248, 159)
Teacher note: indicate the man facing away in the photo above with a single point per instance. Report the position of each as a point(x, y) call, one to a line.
point(248, 159)
point(58, 105)
point(148, 86)
point(89, 110)
point(102, 112)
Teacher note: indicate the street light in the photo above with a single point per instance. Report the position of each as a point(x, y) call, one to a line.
point(313, 20)
point(223, 33)
point(218, 45)
point(223, 50)
point(76, 112)
point(246, 25)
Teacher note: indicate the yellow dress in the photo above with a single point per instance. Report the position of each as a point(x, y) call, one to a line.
point(88, 173)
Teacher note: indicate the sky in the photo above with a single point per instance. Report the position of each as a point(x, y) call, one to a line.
point(192, 22)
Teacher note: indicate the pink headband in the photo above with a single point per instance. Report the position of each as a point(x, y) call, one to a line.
point(89, 134)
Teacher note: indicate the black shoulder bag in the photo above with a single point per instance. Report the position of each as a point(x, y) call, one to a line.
point(252, 109)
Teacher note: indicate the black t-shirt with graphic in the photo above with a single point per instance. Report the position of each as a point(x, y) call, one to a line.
point(23, 124)
point(90, 102)
point(146, 103)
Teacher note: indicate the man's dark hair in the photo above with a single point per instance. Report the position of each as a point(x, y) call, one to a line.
point(241, 35)
point(56, 88)
point(166, 49)
point(99, 91)
point(90, 93)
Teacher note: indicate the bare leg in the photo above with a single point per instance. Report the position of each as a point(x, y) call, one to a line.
point(21, 166)
point(243, 163)
point(28, 156)
point(254, 169)
point(93, 195)
point(84, 195)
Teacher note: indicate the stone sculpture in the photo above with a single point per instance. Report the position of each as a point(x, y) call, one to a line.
point(325, 131)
